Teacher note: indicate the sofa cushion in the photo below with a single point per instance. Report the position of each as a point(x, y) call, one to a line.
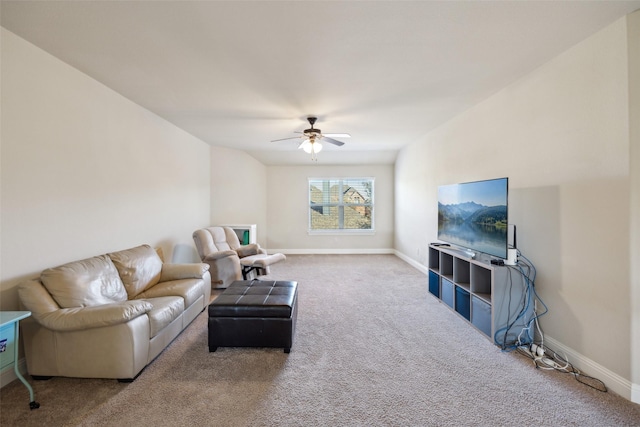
point(85, 283)
point(189, 289)
point(165, 310)
point(139, 268)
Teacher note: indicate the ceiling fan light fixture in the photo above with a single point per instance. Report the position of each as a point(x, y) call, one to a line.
point(311, 139)
point(311, 147)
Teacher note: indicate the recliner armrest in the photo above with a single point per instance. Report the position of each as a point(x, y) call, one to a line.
point(248, 250)
point(219, 255)
point(183, 271)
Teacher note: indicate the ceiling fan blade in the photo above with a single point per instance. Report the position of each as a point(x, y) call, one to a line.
point(284, 139)
point(313, 134)
point(332, 141)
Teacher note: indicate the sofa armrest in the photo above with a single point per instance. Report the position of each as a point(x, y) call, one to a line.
point(248, 250)
point(35, 298)
point(183, 271)
point(82, 318)
point(219, 255)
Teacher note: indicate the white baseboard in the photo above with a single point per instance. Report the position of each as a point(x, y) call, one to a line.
point(635, 393)
point(613, 381)
point(411, 262)
point(8, 375)
point(332, 251)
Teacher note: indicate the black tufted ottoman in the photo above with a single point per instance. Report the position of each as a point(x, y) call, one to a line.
point(254, 313)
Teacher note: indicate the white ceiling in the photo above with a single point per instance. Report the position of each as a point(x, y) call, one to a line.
point(240, 74)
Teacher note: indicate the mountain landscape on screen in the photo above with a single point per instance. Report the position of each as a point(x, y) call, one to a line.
point(474, 215)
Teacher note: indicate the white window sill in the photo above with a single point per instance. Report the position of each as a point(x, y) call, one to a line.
point(341, 232)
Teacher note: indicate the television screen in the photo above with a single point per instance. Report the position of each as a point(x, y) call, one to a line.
point(474, 215)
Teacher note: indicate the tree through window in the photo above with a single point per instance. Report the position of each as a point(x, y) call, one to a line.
point(340, 204)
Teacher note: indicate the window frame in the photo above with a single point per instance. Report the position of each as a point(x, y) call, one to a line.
point(341, 205)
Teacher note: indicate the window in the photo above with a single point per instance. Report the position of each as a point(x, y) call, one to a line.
point(341, 204)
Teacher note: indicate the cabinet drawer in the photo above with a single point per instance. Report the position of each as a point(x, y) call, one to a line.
point(481, 315)
point(7, 343)
point(463, 303)
point(447, 292)
point(434, 284)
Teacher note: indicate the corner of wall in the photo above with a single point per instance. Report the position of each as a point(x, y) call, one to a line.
point(633, 42)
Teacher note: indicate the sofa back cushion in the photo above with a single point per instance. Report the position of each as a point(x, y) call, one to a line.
point(139, 268)
point(93, 281)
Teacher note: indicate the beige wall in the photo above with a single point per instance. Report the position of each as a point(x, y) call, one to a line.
point(287, 210)
point(238, 190)
point(85, 171)
point(561, 134)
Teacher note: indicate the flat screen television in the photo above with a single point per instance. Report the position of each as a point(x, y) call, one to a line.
point(474, 215)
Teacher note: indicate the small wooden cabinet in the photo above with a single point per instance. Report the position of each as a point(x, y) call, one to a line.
point(496, 300)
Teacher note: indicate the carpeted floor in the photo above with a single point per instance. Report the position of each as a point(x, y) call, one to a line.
point(371, 348)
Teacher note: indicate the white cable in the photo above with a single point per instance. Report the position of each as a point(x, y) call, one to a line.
point(567, 364)
point(547, 363)
point(538, 327)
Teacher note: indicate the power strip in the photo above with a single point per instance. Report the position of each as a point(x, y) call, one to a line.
point(536, 350)
point(533, 350)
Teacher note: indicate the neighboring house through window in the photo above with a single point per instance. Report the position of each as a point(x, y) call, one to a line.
point(341, 204)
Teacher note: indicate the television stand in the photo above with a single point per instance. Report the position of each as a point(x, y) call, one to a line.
point(491, 298)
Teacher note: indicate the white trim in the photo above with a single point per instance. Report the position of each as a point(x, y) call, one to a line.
point(9, 375)
point(342, 232)
point(332, 251)
point(635, 393)
point(613, 381)
point(412, 262)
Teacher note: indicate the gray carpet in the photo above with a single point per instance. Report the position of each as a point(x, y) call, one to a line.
point(371, 348)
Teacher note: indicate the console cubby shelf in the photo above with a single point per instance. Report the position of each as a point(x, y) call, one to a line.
point(491, 298)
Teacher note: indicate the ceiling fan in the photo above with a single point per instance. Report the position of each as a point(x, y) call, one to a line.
point(311, 138)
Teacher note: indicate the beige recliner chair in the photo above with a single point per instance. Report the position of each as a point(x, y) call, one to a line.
point(228, 259)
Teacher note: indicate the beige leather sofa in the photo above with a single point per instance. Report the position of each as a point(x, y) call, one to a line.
point(109, 316)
